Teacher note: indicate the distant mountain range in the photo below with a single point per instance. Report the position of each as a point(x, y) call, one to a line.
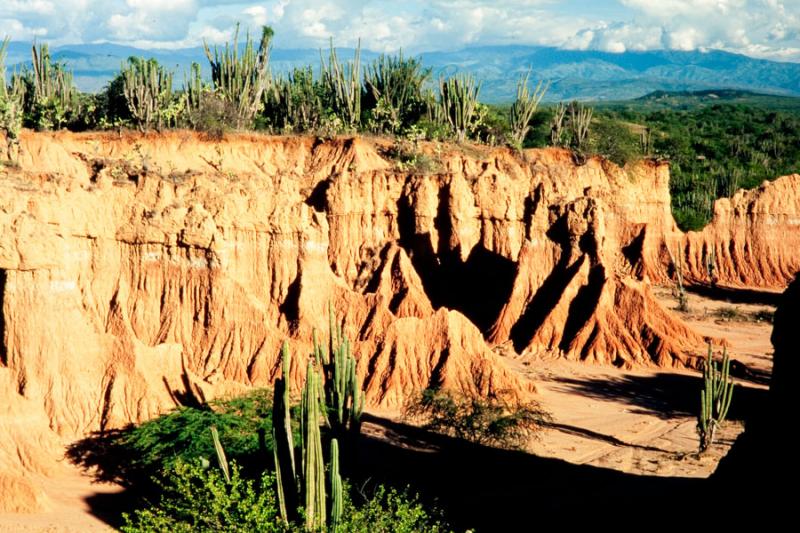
point(573, 74)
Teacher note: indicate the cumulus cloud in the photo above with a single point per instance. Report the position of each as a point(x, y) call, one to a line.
point(767, 28)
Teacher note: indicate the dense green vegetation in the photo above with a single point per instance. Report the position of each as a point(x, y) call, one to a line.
point(716, 141)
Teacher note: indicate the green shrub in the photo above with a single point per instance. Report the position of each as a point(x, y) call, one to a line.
point(214, 117)
point(183, 435)
point(133, 455)
point(389, 511)
point(491, 422)
point(196, 498)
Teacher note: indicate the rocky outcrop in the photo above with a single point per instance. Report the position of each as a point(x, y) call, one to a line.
point(137, 271)
point(752, 241)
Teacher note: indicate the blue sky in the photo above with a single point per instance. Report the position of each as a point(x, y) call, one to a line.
point(761, 28)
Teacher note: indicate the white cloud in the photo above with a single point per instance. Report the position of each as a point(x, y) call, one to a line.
point(768, 28)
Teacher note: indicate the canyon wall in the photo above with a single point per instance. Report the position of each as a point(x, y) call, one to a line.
point(753, 240)
point(137, 271)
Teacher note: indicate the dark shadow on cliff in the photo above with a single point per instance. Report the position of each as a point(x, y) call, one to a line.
point(663, 395)
point(478, 287)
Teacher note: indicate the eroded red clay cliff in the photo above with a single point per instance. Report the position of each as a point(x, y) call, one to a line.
point(752, 241)
point(137, 270)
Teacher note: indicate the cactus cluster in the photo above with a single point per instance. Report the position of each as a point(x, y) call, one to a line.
point(148, 91)
point(241, 79)
point(458, 104)
point(393, 85)
point(580, 118)
point(715, 398)
point(55, 98)
point(294, 101)
point(331, 399)
point(343, 397)
point(342, 82)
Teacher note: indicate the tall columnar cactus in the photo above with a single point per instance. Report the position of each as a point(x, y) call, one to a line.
point(557, 125)
point(332, 399)
point(147, 87)
point(715, 398)
point(646, 141)
point(220, 451)
point(343, 397)
point(683, 298)
point(458, 103)
point(523, 108)
point(285, 468)
point(241, 79)
point(337, 487)
point(313, 462)
point(55, 98)
point(342, 84)
point(711, 267)
point(3, 50)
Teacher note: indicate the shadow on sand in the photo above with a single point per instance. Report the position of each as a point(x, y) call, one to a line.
point(663, 395)
point(478, 487)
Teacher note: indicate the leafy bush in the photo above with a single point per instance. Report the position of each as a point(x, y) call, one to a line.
point(389, 511)
point(133, 455)
point(484, 421)
point(214, 117)
point(196, 498)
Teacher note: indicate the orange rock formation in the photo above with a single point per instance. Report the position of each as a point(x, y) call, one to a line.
point(753, 240)
point(136, 270)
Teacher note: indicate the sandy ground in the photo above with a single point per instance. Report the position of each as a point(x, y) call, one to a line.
point(643, 421)
point(70, 511)
point(639, 422)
